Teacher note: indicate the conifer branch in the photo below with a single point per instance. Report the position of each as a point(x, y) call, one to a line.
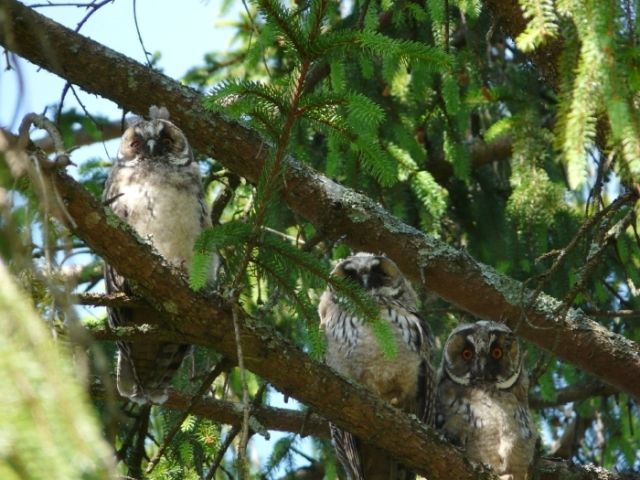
point(192, 402)
point(337, 211)
point(511, 21)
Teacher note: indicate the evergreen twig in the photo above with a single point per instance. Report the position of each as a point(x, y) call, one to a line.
point(215, 372)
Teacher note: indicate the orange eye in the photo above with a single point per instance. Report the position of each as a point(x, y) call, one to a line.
point(467, 353)
point(496, 353)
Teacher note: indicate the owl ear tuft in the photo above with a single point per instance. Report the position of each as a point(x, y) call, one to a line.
point(132, 121)
point(158, 113)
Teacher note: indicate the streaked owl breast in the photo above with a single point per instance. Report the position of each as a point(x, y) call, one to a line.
point(146, 195)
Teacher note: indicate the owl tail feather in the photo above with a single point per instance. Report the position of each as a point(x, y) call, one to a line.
point(145, 371)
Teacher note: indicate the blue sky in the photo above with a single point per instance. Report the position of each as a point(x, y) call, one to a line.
point(182, 31)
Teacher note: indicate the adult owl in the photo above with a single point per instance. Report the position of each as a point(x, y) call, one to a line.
point(406, 381)
point(155, 187)
point(482, 401)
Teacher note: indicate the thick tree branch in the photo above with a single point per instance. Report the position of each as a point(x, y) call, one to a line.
point(573, 393)
point(551, 469)
point(481, 154)
point(337, 211)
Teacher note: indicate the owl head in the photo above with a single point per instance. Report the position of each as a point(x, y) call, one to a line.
point(483, 353)
point(155, 140)
point(377, 275)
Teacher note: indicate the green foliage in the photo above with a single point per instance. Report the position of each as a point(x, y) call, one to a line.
point(432, 195)
point(210, 241)
point(405, 51)
point(39, 438)
point(543, 23)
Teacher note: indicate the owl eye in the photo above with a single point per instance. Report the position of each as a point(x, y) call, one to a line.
point(135, 143)
point(351, 274)
point(166, 141)
point(496, 353)
point(467, 353)
point(378, 270)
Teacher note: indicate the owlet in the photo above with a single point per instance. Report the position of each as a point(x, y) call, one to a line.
point(155, 187)
point(406, 381)
point(482, 401)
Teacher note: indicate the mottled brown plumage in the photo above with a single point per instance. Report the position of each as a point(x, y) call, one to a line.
point(406, 381)
point(482, 401)
point(155, 187)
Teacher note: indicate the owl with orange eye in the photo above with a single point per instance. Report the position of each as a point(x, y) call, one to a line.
point(482, 396)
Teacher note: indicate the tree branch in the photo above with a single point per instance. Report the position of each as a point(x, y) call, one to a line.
point(81, 137)
point(230, 413)
point(481, 154)
point(117, 299)
point(279, 419)
point(337, 211)
point(552, 469)
point(584, 390)
point(573, 393)
point(302, 423)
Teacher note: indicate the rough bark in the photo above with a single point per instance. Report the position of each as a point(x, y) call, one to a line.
point(549, 469)
point(336, 211)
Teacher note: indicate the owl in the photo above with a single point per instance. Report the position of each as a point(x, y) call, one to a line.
point(406, 381)
point(155, 187)
point(482, 401)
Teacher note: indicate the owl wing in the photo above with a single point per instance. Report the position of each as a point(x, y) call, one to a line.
point(347, 452)
point(417, 333)
point(428, 378)
point(115, 283)
point(427, 393)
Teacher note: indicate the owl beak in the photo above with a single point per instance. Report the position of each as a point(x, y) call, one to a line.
point(151, 146)
point(478, 369)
